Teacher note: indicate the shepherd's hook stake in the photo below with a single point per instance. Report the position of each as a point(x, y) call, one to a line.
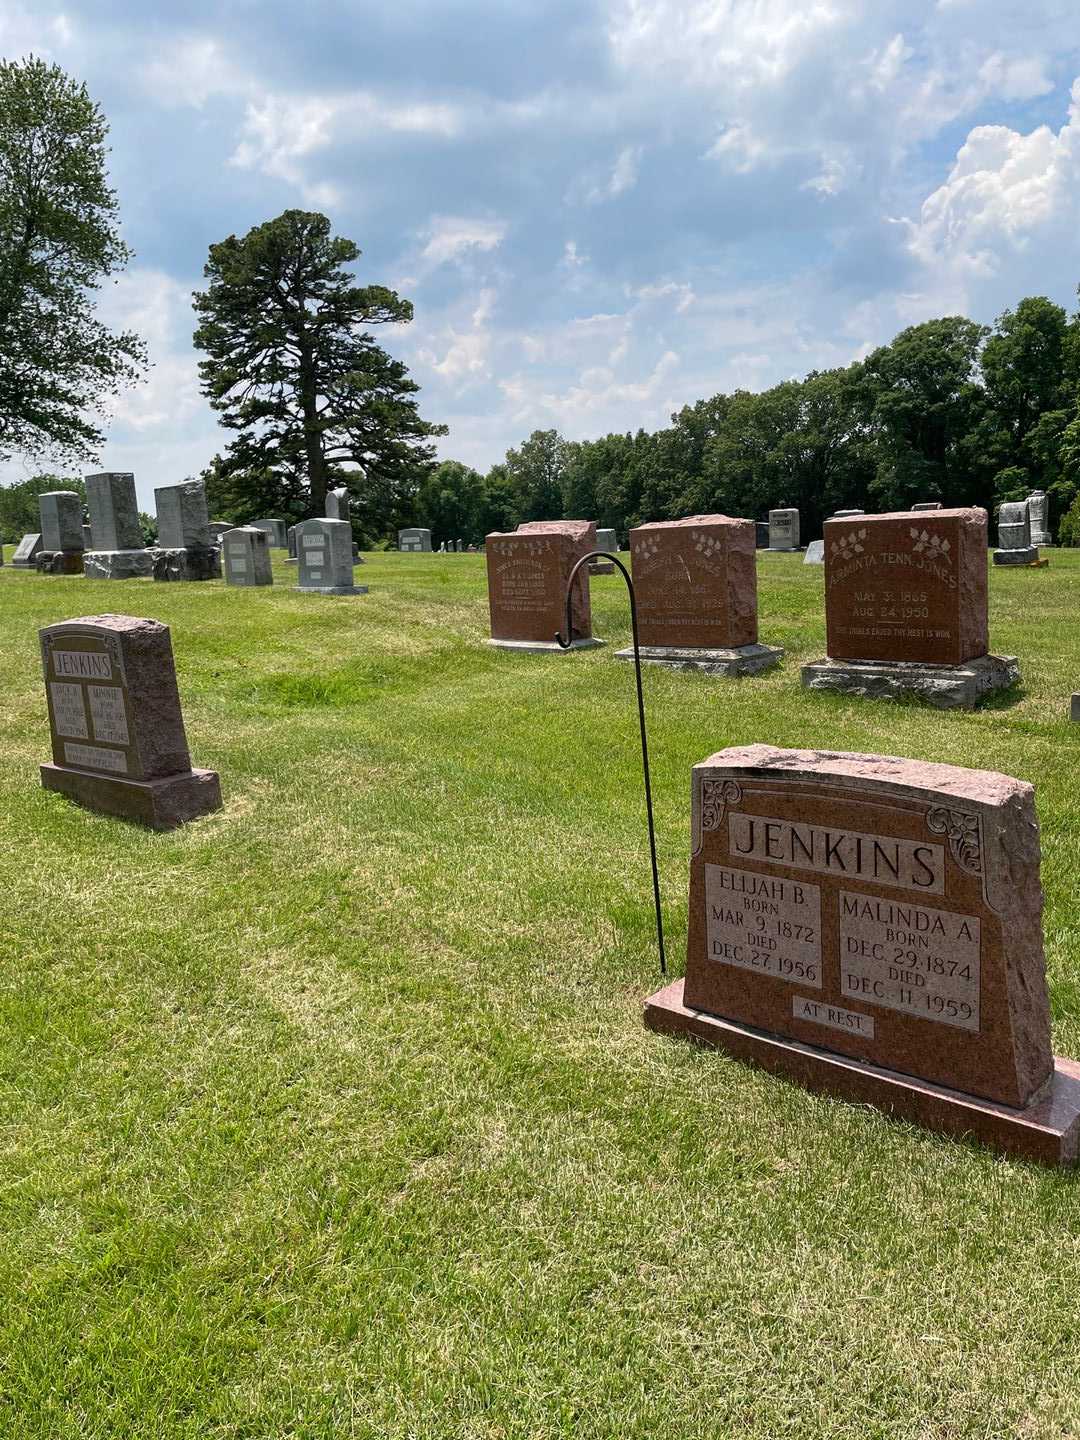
point(565, 644)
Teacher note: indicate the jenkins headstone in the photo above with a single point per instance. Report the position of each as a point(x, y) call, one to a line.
point(884, 910)
point(118, 739)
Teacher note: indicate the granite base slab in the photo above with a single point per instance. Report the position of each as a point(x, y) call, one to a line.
point(118, 564)
point(160, 804)
point(1046, 1131)
point(542, 647)
point(740, 660)
point(605, 567)
point(59, 562)
point(1029, 555)
point(945, 687)
point(784, 549)
point(187, 563)
point(332, 589)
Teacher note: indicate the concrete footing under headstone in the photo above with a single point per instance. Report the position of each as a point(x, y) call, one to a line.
point(191, 562)
point(1047, 1130)
point(741, 660)
point(118, 564)
point(332, 589)
point(945, 687)
point(1027, 556)
point(59, 562)
point(162, 804)
point(543, 647)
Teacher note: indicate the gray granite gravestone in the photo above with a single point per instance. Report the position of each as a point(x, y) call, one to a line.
point(605, 540)
point(415, 539)
point(337, 505)
point(275, 532)
point(245, 553)
point(1038, 509)
point(761, 534)
point(118, 742)
point(118, 552)
point(1014, 535)
point(87, 537)
point(184, 550)
point(324, 554)
point(218, 528)
point(783, 529)
point(27, 551)
point(61, 533)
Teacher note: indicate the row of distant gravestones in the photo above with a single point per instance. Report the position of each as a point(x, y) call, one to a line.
point(867, 926)
point(190, 545)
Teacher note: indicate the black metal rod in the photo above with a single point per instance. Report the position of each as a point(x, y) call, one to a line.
point(566, 643)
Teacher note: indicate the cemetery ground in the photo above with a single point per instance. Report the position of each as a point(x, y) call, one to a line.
point(332, 1114)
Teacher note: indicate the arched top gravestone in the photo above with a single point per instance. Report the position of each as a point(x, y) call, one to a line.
point(873, 926)
point(118, 740)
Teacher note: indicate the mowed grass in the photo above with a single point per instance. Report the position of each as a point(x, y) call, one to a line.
point(333, 1114)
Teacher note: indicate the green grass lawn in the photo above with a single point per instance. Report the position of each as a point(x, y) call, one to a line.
point(333, 1114)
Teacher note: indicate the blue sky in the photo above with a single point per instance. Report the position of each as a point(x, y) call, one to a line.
point(601, 211)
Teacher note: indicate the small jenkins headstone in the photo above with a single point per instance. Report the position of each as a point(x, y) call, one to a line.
point(906, 609)
point(527, 572)
point(245, 553)
point(695, 584)
point(871, 927)
point(118, 551)
point(185, 548)
point(62, 542)
point(325, 559)
point(118, 739)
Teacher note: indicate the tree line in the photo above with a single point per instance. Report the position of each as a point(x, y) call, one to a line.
point(950, 410)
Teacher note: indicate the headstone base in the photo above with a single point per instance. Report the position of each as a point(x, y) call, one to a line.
point(60, 562)
point(190, 563)
point(785, 549)
point(604, 567)
point(1047, 1130)
point(742, 660)
point(161, 804)
point(1029, 555)
point(332, 589)
point(945, 687)
point(118, 564)
point(546, 646)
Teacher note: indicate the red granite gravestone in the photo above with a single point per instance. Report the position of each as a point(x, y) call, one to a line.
point(872, 926)
point(118, 739)
point(906, 608)
point(528, 571)
point(695, 583)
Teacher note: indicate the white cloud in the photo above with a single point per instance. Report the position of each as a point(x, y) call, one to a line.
point(623, 176)
point(190, 72)
point(1009, 211)
point(449, 237)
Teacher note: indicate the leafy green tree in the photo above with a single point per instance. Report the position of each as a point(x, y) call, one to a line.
point(450, 503)
point(497, 512)
point(923, 401)
point(594, 485)
point(1023, 365)
point(292, 368)
point(19, 512)
point(536, 472)
point(59, 365)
